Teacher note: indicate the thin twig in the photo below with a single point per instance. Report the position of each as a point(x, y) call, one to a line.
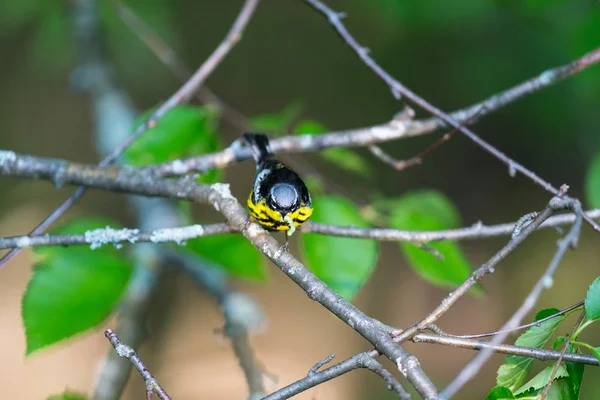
point(400, 165)
point(370, 363)
point(181, 96)
point(479, 345)
point(545, 281)
point(399, 89)
point(123, 350)
point(562, 355)
point(321, 363)
point(521, 327)
point(316, 378)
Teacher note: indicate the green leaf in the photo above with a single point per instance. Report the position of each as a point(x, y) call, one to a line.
point(315, 185)
point(233, 253)
point(592, 301)
point(575, 371)
point(429, 210)
point(558, 342)
point(310, 127)
point(67, 396)
point(592, 182)
point(72, 289)
point(277, 122)
point(561, 390)
point(342, 263)
point(513, 372)
point(344, 158)
point(183, 131)
point(541, 380)
point(348, 160)
point(500, 393)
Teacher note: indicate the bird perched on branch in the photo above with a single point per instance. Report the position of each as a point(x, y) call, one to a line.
point(279, 199)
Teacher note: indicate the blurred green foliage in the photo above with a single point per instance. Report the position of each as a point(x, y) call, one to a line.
point(344, 158)
point(68, 396)
point(592, 183)
point(183, 131)
point(234, 253)
point(279, 122)
point(428, 210)
point(342, 263)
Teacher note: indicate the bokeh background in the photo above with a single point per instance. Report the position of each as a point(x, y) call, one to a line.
point(451, 53)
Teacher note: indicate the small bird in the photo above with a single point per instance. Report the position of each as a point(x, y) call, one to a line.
point(279, 199)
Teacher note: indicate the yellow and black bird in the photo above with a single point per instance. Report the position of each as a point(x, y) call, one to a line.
point(279, 199)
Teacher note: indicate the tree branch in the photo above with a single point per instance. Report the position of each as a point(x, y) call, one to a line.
point(374, 366)
point(474, 232)
point(179, 235)
point(62, 172)
point(124, 350)
point(100, 237)
point(472, 344)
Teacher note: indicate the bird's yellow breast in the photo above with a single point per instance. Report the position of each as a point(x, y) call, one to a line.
point(272, 219)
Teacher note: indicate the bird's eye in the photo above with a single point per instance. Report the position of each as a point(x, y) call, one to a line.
point(283, 195)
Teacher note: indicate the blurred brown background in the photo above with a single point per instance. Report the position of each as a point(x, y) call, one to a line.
point(453, 54)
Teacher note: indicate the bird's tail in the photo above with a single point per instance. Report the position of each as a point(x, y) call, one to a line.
point(259, 144)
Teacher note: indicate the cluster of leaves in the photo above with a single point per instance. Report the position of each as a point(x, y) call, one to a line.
point(566, 382)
